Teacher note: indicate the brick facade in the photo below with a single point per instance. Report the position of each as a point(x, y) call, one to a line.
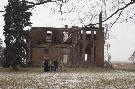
point(68, 45)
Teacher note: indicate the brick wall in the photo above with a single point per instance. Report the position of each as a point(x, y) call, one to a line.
point(75, 55)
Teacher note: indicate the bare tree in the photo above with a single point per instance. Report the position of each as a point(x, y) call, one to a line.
point(132, 58)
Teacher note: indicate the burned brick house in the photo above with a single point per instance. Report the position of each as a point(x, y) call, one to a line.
point(73, 46)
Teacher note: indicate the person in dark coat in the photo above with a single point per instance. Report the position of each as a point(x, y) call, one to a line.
point(55, 64)
point(46, 65)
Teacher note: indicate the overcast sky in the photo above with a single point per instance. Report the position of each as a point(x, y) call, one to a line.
point(122, 38)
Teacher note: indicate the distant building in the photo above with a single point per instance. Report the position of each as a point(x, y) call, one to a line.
point(73, 46)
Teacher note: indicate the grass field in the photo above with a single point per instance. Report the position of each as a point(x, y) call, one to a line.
point(73, 78)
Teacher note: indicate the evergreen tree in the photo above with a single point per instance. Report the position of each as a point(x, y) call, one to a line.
point(1, 52)
point(16, 18)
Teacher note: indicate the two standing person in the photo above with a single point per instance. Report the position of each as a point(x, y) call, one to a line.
point(48, 66)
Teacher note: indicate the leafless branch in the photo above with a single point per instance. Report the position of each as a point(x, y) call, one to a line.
point(2, 11)
point(132, 2)
point(116, 19)
point(62, 4)
point(131, 17)
point(120, 9)
point(79, 18)
point(32, 4)
point(69, 10)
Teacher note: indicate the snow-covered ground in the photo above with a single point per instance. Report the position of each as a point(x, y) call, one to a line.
point(108, 79)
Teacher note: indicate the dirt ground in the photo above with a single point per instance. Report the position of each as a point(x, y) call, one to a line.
point(122, 76)
point(124, 66)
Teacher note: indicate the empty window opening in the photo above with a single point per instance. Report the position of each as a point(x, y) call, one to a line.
point(88, 32)
point(81, 31)
point(95, 32)
point(49, 36)
point(65, 59)
point(49, 32)
point(65, 38)
point(86, 57)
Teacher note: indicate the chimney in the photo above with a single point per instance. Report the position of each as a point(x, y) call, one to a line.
point(100, 21)
point(66, 26)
